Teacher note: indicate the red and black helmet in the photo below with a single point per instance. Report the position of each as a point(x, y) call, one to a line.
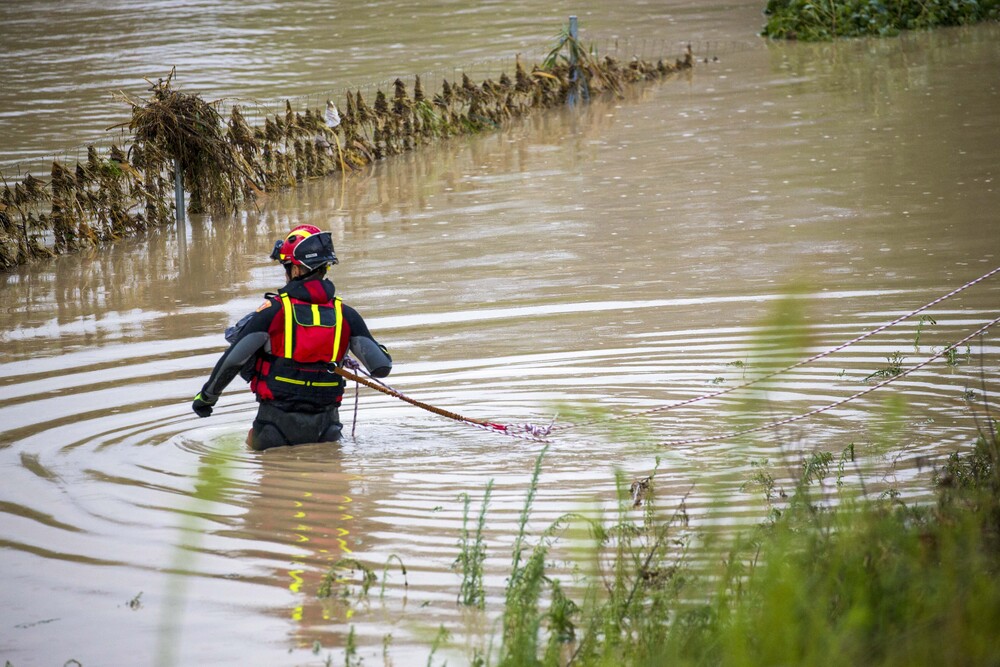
point(305, 246)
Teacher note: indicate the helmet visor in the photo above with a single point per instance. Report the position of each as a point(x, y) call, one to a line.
point(316, 251)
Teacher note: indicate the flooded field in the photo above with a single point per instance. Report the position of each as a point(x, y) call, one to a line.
point(612, 259)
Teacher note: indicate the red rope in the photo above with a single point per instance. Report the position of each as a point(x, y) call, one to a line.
point(523, 432)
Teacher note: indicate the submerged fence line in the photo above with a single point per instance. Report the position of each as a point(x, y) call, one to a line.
point(255, 110)
point(621, 49)
point(226, 161)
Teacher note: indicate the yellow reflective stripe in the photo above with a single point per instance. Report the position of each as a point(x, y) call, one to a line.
point(339, 310)
point(296, 584)
point(289, 314)
point(286, 304)
point(306, 383)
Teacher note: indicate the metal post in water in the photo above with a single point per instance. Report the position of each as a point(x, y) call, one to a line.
point(573, 71)
point(181, 224)
point(178, 190)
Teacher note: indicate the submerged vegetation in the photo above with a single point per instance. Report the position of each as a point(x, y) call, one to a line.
point(819, 20)
point(225, 162)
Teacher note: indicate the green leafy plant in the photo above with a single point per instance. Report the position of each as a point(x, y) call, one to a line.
point(334, 573)
point(893, 369)
point(952, 357)
point(761, 480)
point(822, 20)
point(351, 657)
point(472, 553)
point(924, 319)
point(440, 639)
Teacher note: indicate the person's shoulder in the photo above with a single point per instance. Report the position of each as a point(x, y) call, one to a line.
point(271, 299)
point(270, 304)
point(267, 310)
point(257, 320)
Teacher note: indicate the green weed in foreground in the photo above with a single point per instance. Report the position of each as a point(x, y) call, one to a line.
point(876, 582)
point(212, 483)
point(823, 20)
point(472, 553)
point(870, 582)
point(828, 580)
point(631, 583)
point(832, 576)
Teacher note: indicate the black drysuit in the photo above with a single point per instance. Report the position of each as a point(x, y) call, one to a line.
point(301, 414)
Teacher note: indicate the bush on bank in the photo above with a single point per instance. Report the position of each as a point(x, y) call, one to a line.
point(819, 20)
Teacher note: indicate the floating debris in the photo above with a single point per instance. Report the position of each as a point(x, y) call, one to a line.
point(639, 490)
point(191, 134)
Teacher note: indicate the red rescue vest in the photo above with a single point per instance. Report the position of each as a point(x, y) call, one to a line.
point(308, 340)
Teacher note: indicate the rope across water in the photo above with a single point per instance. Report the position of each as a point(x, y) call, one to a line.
point(768, 376)
point(789, 420)
point(539, 433)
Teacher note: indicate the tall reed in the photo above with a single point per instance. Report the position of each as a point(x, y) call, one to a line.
point(472, 553)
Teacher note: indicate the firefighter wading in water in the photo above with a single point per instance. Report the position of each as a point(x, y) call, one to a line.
point(289, 347)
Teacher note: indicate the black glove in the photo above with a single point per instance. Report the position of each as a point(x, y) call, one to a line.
point(201, 407)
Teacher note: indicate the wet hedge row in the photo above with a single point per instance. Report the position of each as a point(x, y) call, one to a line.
point(225, 162)
point(821, 20)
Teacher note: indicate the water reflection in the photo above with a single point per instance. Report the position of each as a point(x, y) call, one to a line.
point(616, 258)
point(312, 514)
point(166, 283)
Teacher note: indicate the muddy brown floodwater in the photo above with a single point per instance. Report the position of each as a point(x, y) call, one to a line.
point(616, 257)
